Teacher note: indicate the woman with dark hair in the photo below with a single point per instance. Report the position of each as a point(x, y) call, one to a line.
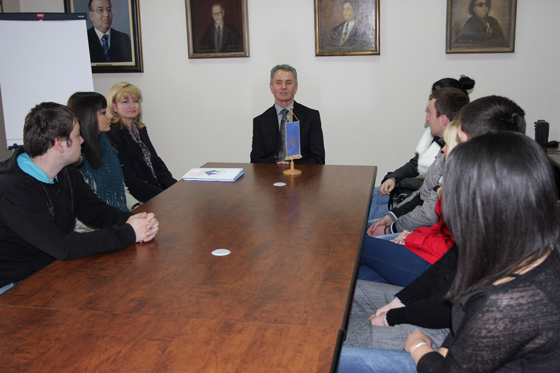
point(500, 205)
point(481, 29)
point(405, 180)
point(383, 315)
point(145, 174)
point(464, 83)
point(100, 165)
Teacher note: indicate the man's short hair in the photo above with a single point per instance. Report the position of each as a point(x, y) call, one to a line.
point(449, 101)
point(353, 4)
point(491, 114)
point(90, 1)
point(285, 68)
point(45, 123)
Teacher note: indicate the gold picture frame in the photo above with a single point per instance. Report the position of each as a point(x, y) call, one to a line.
point(217, 30)
point(481, 26)
point(346, 27)
point(125, 41)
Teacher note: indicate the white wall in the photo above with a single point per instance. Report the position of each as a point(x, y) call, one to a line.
point(372, 107)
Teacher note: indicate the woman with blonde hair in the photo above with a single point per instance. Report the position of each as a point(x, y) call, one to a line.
point(145, 174)
point(401, 260)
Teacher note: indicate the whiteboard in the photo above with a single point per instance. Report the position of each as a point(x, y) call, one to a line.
point(45, 57)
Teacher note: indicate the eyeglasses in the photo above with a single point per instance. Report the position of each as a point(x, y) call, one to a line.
point(480, 5)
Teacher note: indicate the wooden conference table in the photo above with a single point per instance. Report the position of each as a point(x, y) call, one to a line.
point(275, 304)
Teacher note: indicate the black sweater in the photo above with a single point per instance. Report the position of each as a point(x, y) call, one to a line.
point(37, 221)
point(424, 298)
point(511, 327)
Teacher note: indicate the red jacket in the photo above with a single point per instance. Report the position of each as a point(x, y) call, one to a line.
point(430, 243)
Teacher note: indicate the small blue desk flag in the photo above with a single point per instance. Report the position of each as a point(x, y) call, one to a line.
point(293, 148)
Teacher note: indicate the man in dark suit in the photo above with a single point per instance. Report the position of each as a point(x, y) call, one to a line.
point(268, 146)
point(350, 34)
point(105, 43)
point(220, 37)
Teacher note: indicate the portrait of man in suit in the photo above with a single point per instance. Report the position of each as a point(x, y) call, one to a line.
point(346, 27)
point(349, 34)
point(217, 28)
point(105, 43)
point(219, 37)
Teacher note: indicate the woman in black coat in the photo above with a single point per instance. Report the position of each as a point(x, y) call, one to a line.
point(145, 174)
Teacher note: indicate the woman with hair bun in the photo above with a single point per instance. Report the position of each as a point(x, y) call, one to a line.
point(464, 83)
point(405, 180)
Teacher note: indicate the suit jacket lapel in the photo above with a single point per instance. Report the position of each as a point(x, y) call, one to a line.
point(272, 121)
point(299, 113)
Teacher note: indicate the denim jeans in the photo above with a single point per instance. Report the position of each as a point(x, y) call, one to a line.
point(388, 237)
point(358, 360)
point(379, 206)
point(368, 298)
point(388, 262)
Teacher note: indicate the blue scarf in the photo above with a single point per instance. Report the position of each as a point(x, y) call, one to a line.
point(107, 181)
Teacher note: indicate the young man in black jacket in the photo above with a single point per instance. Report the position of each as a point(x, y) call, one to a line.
point(41, 195)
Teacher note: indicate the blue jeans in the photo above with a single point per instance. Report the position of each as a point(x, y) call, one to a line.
point(387, 262)
point(368, 298)
point(358, 360)
point(378, 207)
point(388, 237)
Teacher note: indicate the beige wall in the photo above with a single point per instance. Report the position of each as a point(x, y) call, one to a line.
point(372, 107)
point(10, 6)
point(40, 5)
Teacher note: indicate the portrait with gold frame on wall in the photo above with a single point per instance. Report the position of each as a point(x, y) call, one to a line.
point(346, 27)
point(121, 52)
point(217, 29)
point(481, 26)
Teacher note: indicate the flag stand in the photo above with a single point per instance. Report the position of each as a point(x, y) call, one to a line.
point(292, 171)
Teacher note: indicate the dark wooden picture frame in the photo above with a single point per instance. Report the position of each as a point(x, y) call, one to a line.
point(481, 26)
point(331, 36)
point(125, 52)
point(205, 18)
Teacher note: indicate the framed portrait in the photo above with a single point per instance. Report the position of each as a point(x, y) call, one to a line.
point(217, 30)
point(481, 26)
point(113, 29)
point(346, 27)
